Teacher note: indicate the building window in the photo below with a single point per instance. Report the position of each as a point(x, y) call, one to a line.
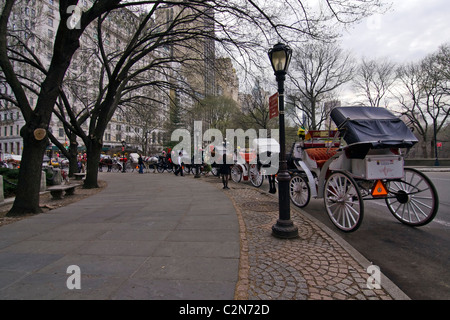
point(61, 132)
point(50, 22)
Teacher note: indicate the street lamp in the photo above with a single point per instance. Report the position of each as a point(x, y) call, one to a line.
point(280, 57)
point(197, 155)
point(124, 145)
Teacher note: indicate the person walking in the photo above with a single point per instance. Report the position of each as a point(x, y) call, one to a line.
point(225, 171)
point(109, 162)
point(179, 169)
point(141, 164)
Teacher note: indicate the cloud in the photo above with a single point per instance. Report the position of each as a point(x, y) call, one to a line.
point(409, 32)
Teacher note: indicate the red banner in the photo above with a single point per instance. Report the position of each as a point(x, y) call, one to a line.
point(273, 106)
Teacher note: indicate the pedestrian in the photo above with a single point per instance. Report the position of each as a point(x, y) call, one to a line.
point(272, 185)
point(271, 177)
point(141, 164)
point(225, 171)
point(179, 169)
point(109, 163)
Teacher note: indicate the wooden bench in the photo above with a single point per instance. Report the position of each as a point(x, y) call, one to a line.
point(58, 190)
point(79, 176)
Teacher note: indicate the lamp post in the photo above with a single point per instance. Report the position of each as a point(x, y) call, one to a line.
point(124, 145)
point(280, 57)
point(197, 155)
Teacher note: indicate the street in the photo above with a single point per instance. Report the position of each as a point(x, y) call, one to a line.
point(415, 259)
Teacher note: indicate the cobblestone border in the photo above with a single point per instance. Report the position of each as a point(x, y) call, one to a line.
point(315, 266)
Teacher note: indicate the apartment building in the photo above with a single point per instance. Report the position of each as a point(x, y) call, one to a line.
point(141, 122)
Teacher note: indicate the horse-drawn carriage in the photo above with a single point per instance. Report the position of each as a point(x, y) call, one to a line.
point(253, 164)
point(361, 160)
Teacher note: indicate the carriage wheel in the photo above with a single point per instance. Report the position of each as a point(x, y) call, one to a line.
point(299, 191)
point(160, 168)
point(256, 177)
point(343, 202)
point(236, 174)
point(215, 171)
point(416, 200)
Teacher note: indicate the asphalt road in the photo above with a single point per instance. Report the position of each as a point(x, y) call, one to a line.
point(417, 260)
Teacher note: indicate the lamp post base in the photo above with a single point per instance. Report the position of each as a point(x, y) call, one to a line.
point(284, 229)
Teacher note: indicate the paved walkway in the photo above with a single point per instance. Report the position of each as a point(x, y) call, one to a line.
point(158, 236)
point(151, 236)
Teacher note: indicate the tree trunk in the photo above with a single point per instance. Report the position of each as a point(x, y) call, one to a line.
point(93, 151)
point(432, 148)
point(28, 187)
point(73, 152)
point(424, 149)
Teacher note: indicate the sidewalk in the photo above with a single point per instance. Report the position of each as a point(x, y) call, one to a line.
point(150, 236)
point(158, 236)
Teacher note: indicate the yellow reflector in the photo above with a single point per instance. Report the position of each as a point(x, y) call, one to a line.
point(379, 190)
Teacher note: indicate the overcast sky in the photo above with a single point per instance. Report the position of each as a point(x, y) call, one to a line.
point(409, 31)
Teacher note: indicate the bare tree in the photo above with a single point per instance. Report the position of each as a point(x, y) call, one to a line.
point(255, 108)
point(317, 70)
point(374, 79)
point(424, 96)
point(231, 17)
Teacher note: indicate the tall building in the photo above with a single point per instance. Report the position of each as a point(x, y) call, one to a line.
point(139, 122)
point(36, 23)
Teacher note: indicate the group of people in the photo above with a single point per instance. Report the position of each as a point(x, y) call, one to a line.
point(224, 171)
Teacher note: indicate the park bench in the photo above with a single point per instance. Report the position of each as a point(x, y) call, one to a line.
point(58, 190)
point(79, 176)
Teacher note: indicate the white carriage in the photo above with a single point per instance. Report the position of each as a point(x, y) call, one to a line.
point(362, 160)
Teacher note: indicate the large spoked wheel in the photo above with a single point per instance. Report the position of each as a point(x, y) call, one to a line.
point(415, 201)
point(256, 178)
point(299, 191)
point(236, 174)
point(343, 202)
point(215, 171)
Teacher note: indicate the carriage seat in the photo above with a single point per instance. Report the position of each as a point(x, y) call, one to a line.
point(248, 157)
point(321, 155)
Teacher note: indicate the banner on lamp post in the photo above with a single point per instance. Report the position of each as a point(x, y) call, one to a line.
point(273, 106)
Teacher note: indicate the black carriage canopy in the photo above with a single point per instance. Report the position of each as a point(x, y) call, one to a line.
point(374, 126)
